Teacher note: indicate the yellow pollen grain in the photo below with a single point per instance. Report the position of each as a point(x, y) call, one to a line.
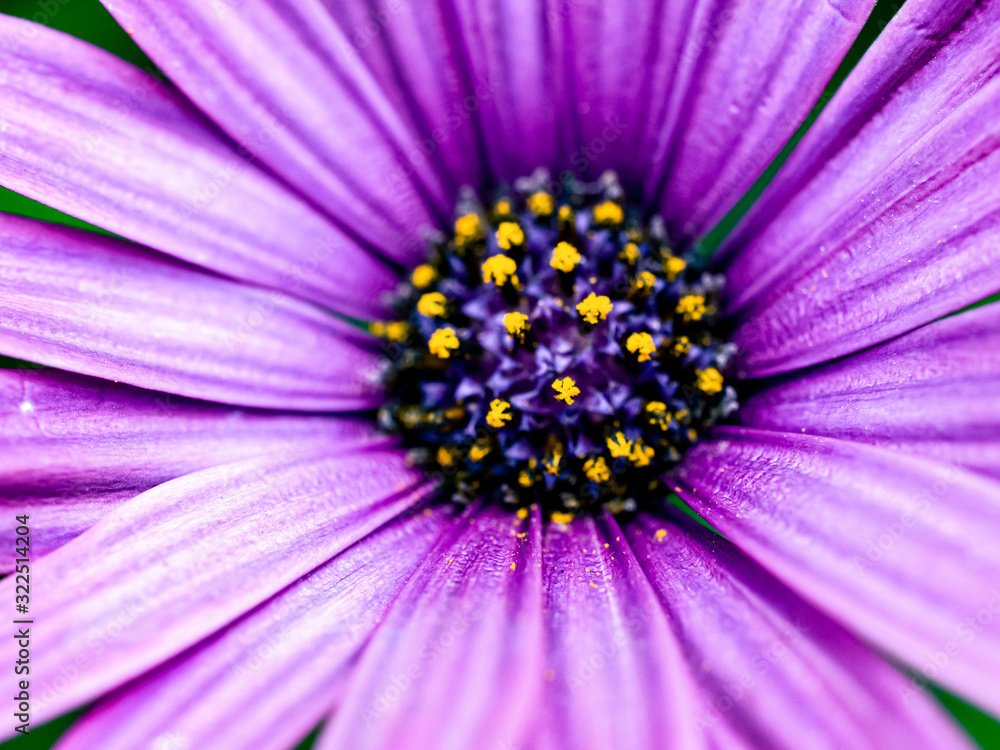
point(377, 328)
point(423, 276)
point(442, 341)
point(641, 344)
point(673, 266)
point(709, 380)
point(522, 513)
point(397, 331)
point(661, 534)
point(513, 565)
point(498, 416)
point(566, 389)
point(444, 456)
point(594, 308)
point(541, 203)
point(682, 345)
point(516, 324)
point(608, 212)
point(479, 450)
point(692, 307)
point(524, 479)
point(509, 234)
point(641, 454)
point(432, 304)
point(498, 269)
point(502, 208)
point(565, 213)
point(560, 517)
point(597, 470)
point(644, 282)
point(656, 407)
point(630, 253)
point(564, 257)
point(467, 229)
point(619, 445)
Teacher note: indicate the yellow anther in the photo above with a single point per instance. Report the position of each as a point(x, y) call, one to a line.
point(564, 257)
point(498, 416)
point(560, 517)
point(630, 253)
point(394, 331)
point(432, 304)
point(565, 213)
point(566, 388)
point(516, 324)
point(498, 269)
point(641, 344)
point(692, 307)
point(502, 208)
point(692, 434)
point(423, 276)
point(644, 282)
point(661, 534)
point(522, 513)
point(455, 412)
point(641, 454)
point(468, 229)
point(597, 470)
point(608, 212)
point(682, 345)
point(508, 234)
point(673, 266)
point(444, 456)
point(594, 308)
point(479, 450)
point(442, 342)
point(524, 479)
point(554, 451)
point(541, 203)
point(681, 415)
point(709, 380)
point(619, 445)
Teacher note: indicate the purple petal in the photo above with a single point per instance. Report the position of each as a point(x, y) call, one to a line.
point(616, 675)
point(747, 75)
point(282, 79)
point(458, 661)
point(96, 305)
point(420, 60)
point(900, 550)
point(269, 678)
point(182, 560)
point(772, 667)
point(87, 133)
point(73, 448)
point(511, 57)
point(886, 216)
point(934, 391)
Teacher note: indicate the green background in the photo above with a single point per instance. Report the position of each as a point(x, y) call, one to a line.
point(88, 20)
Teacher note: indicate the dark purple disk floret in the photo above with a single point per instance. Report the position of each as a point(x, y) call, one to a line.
point(554, 350)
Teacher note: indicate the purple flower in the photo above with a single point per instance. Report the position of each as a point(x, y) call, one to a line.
point(223, 553)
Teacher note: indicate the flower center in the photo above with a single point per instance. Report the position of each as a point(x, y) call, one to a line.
point(554, 350)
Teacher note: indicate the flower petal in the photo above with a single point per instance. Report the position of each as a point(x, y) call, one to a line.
point(182, 560)
point(902, 551)
point(934, 391)
point(283, 80)
point(457, 662)
point(416, 53)
point(86, 133)
point(746, 77)
point(100, 306)
point(266, 680)
point(616, 675)
point(73, 448)
point(774, 668)
point(887, 215)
